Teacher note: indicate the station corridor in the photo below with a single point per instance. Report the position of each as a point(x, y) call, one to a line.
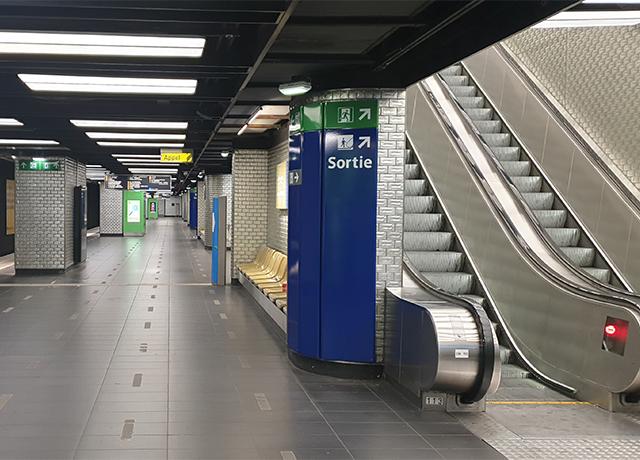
point(133, 355)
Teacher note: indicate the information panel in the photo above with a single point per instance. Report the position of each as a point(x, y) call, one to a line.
point(348, 281)
point(133, 182)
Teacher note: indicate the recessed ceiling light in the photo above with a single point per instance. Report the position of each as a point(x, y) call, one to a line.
point(295, 88)
point(83, 84)
point(139, 144)
point(10, 122)
point(27, 142)
point(130, 124)
point(224, 154)
point(100, 44)
point(141, 136)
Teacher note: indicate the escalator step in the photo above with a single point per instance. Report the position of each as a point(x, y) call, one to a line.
point(455, 80)
point(463, 91)
point(423, 222)
point(527, 184)
point(497, 139)
point(551, 218)
point(455, 69)
point(479, 114)
point(408, 156)
point(564, 237)
point(419, 204)
point(582, 257)
point(539, 201)
point(471, 102)
point(427, 241)
point(455, 283)
point(516, 168)
point(488, 126)
point(436, 261)
point(511, 153)
point(415, 187)
point(412, 171)
point(601, 274)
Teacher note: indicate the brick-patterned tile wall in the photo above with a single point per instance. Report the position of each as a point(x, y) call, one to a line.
point(74, 174)
point(277, 219)
point(44, 216)
point(390, 214)
point(219, 185)
point(110, 211)
point(202, 211)
point(250, 191)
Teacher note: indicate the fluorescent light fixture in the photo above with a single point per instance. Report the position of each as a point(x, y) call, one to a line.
point(295, 88)
point(570, 19)
point(140, 136)
point(83, 84)
point(242, 130)
point(130, 124)
point(27, 142)
point(100, 45)
point(611, 2)
point(134, 155)
point(139, 144)
point(139, 160)
point(39, 159)
point(94, 166)
point(137, 163)
point(224, 154)
point(10, 122)
point(152, 171)
point(193, 181)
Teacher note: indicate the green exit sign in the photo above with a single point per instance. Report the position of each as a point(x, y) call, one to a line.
point(38, 165)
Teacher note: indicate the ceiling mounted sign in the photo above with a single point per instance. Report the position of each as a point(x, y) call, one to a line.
point(135, 182)
point(176, 156)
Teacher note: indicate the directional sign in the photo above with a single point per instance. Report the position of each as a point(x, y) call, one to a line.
point(176, 156)
point(38, 165)
point(295, 177)
point(351, 114)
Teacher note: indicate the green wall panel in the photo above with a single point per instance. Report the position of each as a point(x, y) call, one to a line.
point(133, 221)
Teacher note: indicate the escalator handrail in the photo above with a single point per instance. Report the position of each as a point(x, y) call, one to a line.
point(633, 200)
point(488, 342)
point(591, 289)
point(538, 374)
point(628, 288)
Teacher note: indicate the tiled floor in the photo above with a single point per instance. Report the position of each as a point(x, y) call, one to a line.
point(134, 356)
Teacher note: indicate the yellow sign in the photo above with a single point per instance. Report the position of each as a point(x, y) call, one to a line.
point(175, 156)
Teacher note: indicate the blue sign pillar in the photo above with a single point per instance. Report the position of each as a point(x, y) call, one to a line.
point(332, 238)
point(218, 240)
point(193, 209)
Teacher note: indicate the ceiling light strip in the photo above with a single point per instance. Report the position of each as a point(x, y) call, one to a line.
point(141, 136)
point(140, 144)
point(130, 124)
point(75, 83)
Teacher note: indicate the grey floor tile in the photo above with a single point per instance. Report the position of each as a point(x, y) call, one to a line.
point(395, 454)
point(382, 441)
point(471, 454)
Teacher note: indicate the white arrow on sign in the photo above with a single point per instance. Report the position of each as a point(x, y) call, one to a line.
point(364, 142)
point(365, 113)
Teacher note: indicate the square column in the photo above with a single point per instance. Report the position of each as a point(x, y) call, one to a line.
point(44, 212)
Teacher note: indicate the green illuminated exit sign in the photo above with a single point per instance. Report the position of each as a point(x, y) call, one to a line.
point(38, 165)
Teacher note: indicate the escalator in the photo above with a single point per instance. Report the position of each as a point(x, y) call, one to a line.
point(483, 224)
point(546, 204)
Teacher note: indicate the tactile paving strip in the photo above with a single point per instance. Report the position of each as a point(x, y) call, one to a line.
point(567, 448)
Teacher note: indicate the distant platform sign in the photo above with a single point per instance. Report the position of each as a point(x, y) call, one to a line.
point(176, 156)
point(135, 182)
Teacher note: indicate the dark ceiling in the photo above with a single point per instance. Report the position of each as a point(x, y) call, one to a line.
point(252, 47)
